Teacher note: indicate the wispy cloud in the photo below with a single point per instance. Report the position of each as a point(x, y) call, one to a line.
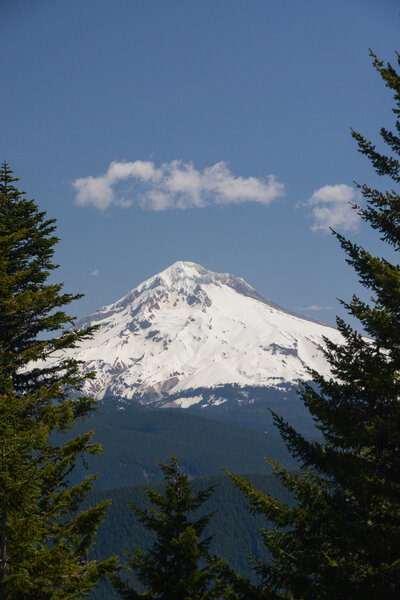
point(95, 273)
point(314, 307)
point(332, 207)
point(173, 185)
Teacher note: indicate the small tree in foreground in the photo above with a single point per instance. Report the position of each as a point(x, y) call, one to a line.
point(44, 537)
point(341, 539)
point(178, 565)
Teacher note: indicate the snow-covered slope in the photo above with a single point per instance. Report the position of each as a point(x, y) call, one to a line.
point(189, 328)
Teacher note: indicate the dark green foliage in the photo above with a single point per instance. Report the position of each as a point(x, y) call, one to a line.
point(178, 565)
point(44, 539)
point(342, 538)
point(233, 529)
point(132, 437)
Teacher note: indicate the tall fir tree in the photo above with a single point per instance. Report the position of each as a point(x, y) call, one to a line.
point(44, 537)
point(178, 565)
point(341, 538)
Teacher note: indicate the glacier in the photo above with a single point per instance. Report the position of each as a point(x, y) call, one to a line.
point(188, 328)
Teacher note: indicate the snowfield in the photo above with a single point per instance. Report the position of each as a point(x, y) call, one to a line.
point(188, 327)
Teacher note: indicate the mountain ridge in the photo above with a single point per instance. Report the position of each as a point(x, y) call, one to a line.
point(187, 328)
point(234, 281)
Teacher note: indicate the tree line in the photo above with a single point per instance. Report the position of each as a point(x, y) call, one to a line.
point(234, 531)
point(339, 538)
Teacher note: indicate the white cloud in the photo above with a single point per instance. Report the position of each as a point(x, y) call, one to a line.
point(173, 185)
point(314, 307)
point(332, 207)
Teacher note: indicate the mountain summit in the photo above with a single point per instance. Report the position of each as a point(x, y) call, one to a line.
point(188, 328)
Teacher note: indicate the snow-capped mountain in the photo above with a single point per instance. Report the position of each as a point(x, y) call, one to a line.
point(188, 328)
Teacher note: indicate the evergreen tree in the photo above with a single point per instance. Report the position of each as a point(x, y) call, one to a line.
point(341, 538)
point(178, 566)
point(44, 538)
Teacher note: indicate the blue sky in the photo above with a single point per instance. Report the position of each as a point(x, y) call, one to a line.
point(213, 131)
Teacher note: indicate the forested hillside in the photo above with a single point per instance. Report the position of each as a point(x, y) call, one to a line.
point(236, 530)
point(132, 437)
